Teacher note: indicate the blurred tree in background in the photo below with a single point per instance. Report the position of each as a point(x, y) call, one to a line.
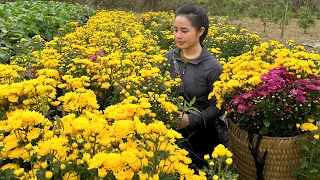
point(234, 9)
point(306, 18)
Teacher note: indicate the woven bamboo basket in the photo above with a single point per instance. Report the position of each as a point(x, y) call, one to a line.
point(282, 154)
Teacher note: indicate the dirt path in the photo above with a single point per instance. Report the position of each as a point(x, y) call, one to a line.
point(291, 31)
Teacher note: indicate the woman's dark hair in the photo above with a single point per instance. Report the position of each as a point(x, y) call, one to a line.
point(197, 16)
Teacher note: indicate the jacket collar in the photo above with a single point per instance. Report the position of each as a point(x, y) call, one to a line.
point(204, 55)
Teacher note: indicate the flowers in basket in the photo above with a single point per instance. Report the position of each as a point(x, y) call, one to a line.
point(280, 102)
point(268, 91)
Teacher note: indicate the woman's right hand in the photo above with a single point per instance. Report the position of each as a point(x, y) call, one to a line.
point(184, 120)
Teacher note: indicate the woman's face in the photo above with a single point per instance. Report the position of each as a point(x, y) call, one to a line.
point(185, 34)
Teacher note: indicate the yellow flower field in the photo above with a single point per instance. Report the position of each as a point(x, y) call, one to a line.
point(94, 104)
point(98, 103)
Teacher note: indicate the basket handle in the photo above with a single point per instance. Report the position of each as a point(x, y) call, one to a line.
point(259, 161)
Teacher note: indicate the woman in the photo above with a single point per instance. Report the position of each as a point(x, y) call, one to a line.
point(198, 70)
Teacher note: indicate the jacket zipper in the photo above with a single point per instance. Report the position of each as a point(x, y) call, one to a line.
point(184, 68)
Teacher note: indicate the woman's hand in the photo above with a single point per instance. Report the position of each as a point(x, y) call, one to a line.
point(184, 120)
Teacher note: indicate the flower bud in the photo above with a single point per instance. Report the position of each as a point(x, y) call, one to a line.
point(44, 164)
point(49, 175)
point(229, 161)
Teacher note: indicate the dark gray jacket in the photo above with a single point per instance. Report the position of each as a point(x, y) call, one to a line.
point(199, 75)
point(198, 78)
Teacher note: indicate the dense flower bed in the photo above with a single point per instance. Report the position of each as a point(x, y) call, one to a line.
point(93, 103)
point(223, 40)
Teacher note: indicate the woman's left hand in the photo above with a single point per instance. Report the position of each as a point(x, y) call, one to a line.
point(184, 120)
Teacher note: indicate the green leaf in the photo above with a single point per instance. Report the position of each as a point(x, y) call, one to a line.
point(266, 122)
point(163, 154)
point(26, 19)
point(56, 167)
point(193, 100)
point(231, 175)
point(17, 31)
point(2, 131)
point(3, 31)
point(3, 53)
point(35, 30)
point(264, 131)
point(205, 169)
point(59, 122)
point(304, 163)
point(6, 42)
point(7, 174)
point(136, 177)
point(165, 176)
point(193, 111)
point(48, 35)
point(110, 175)
point(147, 169)
point(305, 147)
point(314, 170)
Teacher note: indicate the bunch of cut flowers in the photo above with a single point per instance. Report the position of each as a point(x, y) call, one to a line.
point(280, 102)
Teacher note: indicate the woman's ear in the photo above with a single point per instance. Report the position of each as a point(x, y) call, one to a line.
point(201, 31)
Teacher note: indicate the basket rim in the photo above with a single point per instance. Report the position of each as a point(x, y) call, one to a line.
point(232, 124)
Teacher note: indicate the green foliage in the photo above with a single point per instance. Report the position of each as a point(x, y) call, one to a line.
point(265, 16)
point(234, 9)
point(306, 18)
point(25, 19)
point(218, 7)
point(4, 54)
point(253, 12)
point(6, 174)
point(134, 5)
point(23, 51)
point(271, 12)
point(262, 11)
point(277, 12)
point(237, 8)
point(309, 167)
point(188, 107)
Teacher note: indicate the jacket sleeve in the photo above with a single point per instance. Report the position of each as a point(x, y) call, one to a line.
point(166, 55)
point(211, 112)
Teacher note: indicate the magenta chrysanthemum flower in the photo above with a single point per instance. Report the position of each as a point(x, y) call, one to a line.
point(277, 104)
